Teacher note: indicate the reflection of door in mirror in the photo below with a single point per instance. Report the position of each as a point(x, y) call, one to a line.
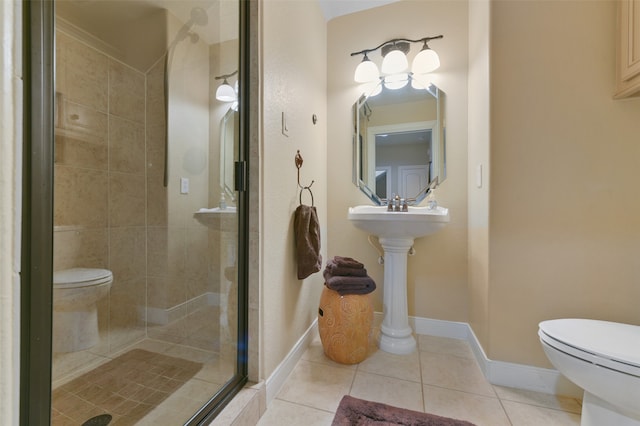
point(383, 181)
point(412, 179)
point(404, 151)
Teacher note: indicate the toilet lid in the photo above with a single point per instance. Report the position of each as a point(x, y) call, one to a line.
point(81, 277)
point(610, 344)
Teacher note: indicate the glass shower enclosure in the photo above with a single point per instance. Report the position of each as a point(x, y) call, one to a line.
point(146, 242)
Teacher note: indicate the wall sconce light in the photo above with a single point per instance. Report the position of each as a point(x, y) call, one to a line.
point(226, 93)
point(367, 71)
point(394, 53)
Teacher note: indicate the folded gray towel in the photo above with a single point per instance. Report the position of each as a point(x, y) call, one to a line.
point(350, 285)
point(348, 262)
point(306, 229)
point(334, 269)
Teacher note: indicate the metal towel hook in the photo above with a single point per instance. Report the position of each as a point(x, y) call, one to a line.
point(299, 162)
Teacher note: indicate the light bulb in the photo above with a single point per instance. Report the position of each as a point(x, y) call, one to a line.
point(426, 61)
point(394, 62)
point(366, 71)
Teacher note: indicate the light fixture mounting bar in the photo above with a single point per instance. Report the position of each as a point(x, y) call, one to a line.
point(221, 77)
point(396, 40)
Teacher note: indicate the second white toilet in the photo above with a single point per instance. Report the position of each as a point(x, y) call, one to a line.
point(603, 358)
point(75, 311)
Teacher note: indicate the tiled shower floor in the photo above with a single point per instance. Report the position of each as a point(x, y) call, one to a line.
point(162, 399)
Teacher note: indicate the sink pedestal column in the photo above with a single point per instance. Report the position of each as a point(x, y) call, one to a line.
point(396, 336)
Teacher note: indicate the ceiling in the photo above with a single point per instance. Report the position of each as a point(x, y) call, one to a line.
point(335, 8)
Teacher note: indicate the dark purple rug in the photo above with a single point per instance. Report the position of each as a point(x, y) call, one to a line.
point(353, 411)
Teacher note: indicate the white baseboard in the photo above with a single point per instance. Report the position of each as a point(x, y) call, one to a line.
point(163, 316)
point(283, 370)
point(499, 373)
point(521, 376)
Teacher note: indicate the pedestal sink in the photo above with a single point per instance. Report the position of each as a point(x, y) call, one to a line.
point(396, 232)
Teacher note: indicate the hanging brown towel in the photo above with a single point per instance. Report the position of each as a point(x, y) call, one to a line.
point(307, 236)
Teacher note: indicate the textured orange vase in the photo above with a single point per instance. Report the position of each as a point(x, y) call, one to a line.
point(344, 323)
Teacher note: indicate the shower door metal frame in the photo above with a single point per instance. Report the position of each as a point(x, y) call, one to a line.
point(36, 294)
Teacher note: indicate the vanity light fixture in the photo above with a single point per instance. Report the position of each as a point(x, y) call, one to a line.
point(394, 53)
point(225, 92)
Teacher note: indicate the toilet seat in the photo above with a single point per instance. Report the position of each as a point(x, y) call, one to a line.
point(81, 277)
point(611, 345)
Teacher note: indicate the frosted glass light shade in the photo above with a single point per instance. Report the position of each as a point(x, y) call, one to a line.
point(366, 71)
point(394, 62)
point(426, 61)
point(225, 93)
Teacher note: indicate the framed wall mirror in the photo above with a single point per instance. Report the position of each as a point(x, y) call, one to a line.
point(399, 141)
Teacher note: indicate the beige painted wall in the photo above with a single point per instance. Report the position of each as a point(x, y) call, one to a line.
point(437, 274)
point(478, 162)
point(565, 213)
point(294, 82)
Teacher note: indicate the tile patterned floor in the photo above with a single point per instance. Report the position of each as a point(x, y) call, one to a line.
point(126, 388)
point(174, 408)
point(193, 338)
point(442, 378)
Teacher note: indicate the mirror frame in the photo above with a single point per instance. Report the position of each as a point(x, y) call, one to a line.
point(438, 127)
point(229, 135)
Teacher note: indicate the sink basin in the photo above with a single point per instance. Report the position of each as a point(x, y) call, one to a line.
point(216, 217)
point(417, 222)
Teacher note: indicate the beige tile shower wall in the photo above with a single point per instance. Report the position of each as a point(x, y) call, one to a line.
point(99, 204)
point(179, 266)
point(223, 239)
point(81, 197)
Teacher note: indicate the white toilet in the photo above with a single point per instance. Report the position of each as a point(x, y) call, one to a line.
point(603, 358)
point(75, 312)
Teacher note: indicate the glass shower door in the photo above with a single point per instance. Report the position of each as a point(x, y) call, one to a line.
point(146, 222)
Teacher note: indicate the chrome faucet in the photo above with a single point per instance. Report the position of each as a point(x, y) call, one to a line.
point(397, 204)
